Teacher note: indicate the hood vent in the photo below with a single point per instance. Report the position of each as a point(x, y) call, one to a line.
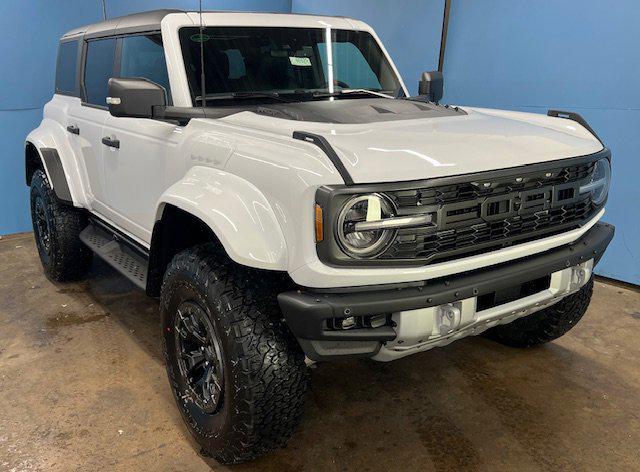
point(356, 110)
point(381, 110)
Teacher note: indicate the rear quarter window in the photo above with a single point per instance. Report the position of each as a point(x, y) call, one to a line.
point(67, 68)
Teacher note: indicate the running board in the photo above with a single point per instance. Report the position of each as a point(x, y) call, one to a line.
point(117, 254)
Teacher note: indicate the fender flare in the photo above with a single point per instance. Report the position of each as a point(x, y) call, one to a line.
point(58, 161)
point(236, 211)
point(55, 173)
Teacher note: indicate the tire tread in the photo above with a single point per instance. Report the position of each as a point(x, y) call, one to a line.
point(70, 259)
point(270, 376)
point(545, 325)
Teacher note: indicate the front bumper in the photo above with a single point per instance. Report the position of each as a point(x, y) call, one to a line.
point(309, 312)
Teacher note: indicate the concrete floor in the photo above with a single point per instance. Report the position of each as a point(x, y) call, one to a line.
point(83, 387)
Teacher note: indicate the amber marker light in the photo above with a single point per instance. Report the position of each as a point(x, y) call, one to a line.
point(319, 227)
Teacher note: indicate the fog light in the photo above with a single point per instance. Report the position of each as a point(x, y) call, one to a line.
point(348, 322)
point(377, 321)
point(448, 317)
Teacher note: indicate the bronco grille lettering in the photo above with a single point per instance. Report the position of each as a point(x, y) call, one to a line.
point(473, 217)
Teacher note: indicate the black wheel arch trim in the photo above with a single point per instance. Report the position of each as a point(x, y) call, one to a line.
point(326, 147)
point(53, 166)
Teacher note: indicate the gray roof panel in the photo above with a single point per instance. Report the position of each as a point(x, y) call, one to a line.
point(135, 23)
point(138, 22)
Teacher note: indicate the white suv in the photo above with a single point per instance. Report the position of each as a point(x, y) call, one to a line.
point(269, 177)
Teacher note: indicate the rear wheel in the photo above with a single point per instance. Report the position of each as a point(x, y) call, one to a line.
point(57, 228)
point(545, 325)
point(237, 374)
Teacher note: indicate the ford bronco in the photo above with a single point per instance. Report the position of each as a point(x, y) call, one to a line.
point(271, 180)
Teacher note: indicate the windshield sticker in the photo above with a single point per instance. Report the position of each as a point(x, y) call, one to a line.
point(300, 61)
point(200, 38)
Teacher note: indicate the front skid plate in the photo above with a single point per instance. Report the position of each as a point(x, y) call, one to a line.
point(419, 330)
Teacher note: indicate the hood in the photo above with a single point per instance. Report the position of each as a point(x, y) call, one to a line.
point(410, 146)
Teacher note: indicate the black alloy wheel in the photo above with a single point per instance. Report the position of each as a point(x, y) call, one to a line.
point(199, 356)
point(43, 228)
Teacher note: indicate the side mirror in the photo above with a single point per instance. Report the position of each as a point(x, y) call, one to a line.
point(134, 97)
point(431, 85)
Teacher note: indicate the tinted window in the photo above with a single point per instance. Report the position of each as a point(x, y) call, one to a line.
point(98, 70)
point(283, 60)
point(143, 56)
point(350, 66)
point(66, 69)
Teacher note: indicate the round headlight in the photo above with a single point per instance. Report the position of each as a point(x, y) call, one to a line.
point(599, 182)
point(369, 243)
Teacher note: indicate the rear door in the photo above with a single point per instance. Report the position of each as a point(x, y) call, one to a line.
point(86, 119)
point(135, 170)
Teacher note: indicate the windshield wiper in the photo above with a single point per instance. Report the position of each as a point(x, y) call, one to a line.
point(339, 93)
point(244, 95)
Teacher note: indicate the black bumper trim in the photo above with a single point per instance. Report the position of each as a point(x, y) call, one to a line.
point(306, 311)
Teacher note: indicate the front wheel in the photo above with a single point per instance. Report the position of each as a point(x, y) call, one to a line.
point(545, 325)
point(237, 374)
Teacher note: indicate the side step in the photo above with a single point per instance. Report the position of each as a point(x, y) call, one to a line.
point(131, 263)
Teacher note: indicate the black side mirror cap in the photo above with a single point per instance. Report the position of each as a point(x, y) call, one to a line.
point(135, 97)
point(431, 85)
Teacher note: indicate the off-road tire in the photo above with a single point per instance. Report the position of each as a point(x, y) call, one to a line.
point(265, 377)
point(64, 257)
point(544, 325)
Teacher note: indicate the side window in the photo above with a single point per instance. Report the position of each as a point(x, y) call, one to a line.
point(98, 70)
point(67, 68)
point(143, 56)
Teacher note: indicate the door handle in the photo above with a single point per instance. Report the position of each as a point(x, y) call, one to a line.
point(114, 143)
point(73, 129)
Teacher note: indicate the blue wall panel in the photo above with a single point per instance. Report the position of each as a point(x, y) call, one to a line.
point(410, 30)
point(14, 194)
point(30, 32)
point(579, 55)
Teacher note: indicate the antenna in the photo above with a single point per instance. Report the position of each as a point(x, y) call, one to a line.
point(445, 31)
point(104, 9)
point(203, 96)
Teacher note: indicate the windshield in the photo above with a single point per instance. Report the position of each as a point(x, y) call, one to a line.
point(296, 61)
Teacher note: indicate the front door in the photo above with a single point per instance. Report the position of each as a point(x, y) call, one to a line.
point(135, 149)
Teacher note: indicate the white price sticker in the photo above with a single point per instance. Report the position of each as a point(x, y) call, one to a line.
point(300, 61)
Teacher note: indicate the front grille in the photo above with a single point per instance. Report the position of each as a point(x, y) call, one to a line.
point(407, 200)
point(487, 214)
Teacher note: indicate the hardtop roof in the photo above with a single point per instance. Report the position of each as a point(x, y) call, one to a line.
point(138, 23)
